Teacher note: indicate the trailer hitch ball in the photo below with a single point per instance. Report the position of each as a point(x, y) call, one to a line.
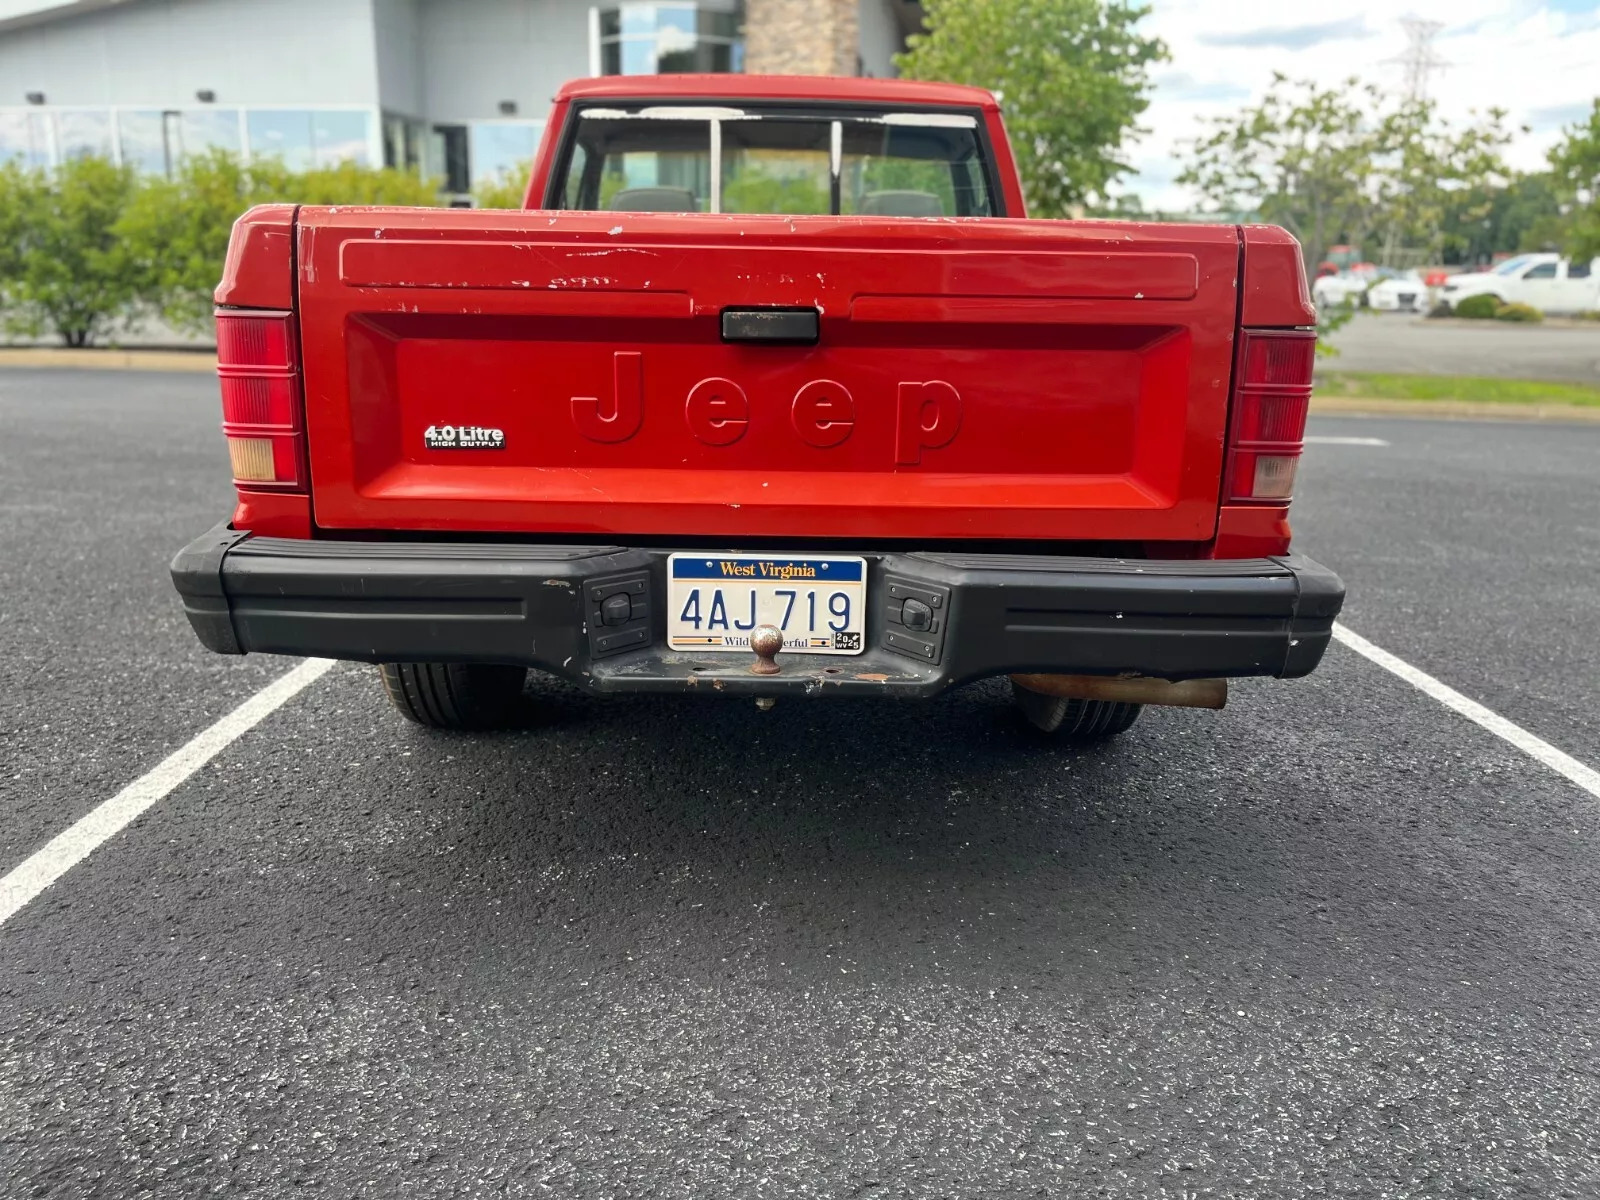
point(766, 641)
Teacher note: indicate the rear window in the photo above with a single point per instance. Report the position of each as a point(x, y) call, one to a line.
point(673, 159)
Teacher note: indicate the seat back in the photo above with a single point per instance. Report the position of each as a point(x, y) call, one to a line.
point(902, 204)
point(654, 199)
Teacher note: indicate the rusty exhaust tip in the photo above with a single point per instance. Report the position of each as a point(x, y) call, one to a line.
point(1139, 689)
point(766, 641)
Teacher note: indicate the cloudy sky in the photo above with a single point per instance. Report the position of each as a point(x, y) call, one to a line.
point(1538, 58)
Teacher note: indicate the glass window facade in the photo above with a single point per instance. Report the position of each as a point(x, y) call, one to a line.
point(194, 131)
point(25, 138)
point(448, 159)
point(402, 142)
point(341, 136)
point(305, 138)
point(155, 141)
point(503, 147)
point(667, 39)
point(84, 133)
point(145, 145)
point(282, 135)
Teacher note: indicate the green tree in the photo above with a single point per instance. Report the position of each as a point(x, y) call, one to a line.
point(1575, 166)
point(1481, 222)
point(16, 198)
point(352, 183)
point(505, 190)
point(1122, 206)
point(1342, 164)
point(176, 231)
point(1529, 216)
point(1436, 175)
point(748, 187)
point(1302, 157)
point(1330, 319)
point(63, 269)
point(1073, 75)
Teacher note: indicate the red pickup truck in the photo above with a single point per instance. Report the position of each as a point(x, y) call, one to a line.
point(770, 391)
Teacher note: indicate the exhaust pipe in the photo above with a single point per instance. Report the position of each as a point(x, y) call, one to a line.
point(1136, 689)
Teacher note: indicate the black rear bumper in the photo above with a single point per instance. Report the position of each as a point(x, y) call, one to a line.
point(545, 607)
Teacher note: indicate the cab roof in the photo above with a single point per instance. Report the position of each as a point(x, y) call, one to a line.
point(823, 88)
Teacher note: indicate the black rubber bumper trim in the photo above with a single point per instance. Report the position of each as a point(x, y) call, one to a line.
point(1318, 599)
point(1170, 618)
point(197, 574)
point(528, 604)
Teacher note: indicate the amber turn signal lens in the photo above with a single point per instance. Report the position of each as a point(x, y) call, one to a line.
point(252, 459)
point(1274, 479)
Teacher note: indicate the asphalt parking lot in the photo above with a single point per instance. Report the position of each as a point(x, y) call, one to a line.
point(1336, 940)
point(1406, 343)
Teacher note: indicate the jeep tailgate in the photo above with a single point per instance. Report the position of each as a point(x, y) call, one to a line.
point(581, 373)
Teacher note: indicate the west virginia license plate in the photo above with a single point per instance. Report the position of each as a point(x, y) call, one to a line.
point(715, 600)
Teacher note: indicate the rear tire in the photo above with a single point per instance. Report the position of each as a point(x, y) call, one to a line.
point(1077, 721)
point(454, 695)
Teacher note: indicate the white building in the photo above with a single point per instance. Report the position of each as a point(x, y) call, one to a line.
point(457, 88)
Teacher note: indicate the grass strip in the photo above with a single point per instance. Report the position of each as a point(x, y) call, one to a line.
point(1475, 389)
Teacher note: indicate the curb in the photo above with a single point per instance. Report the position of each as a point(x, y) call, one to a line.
point(1448, 410)
point(204, 360)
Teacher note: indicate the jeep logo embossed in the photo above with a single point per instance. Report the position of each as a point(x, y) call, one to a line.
point(717, 412)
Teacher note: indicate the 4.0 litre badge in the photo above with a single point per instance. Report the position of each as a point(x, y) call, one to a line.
point(463, 437)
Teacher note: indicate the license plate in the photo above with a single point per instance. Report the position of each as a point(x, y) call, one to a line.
point(715, 600)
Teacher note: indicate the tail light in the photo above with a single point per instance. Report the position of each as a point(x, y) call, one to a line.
point(262, 414)
point(1270, 402)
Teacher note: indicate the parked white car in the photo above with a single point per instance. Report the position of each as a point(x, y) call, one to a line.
point(1400, 293)
point(1332, 291)
point(1550, 283)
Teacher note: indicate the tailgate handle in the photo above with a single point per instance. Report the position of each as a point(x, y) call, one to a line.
point(779, 326)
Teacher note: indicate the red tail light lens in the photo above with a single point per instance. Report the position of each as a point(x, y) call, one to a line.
point(262, 413)
point(255, 340)
point(1278, 357)
point(1271, 417)
point(257, 400)
point(1270, 404)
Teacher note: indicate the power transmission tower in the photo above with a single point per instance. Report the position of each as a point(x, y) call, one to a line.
point(1420, 60)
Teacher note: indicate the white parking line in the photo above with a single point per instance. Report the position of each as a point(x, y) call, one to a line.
point(1535, 747)
point(1322, 439)
point(70, 847)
